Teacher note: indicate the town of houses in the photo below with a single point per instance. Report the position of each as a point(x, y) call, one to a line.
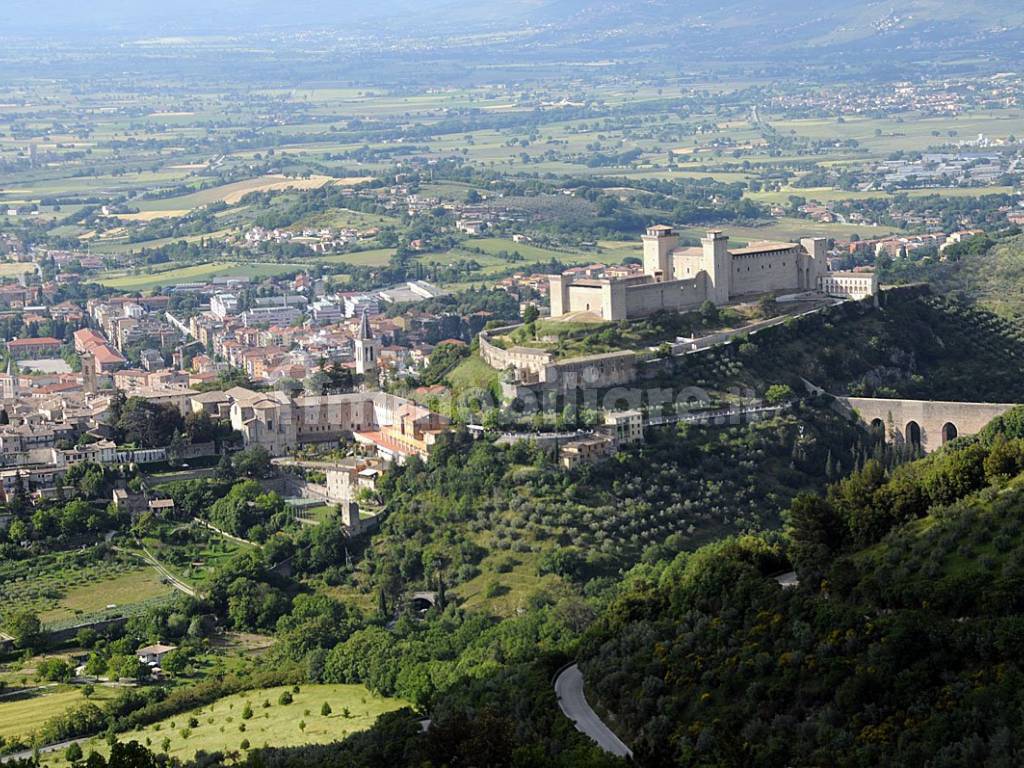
point(185, 346)
point(137, 347)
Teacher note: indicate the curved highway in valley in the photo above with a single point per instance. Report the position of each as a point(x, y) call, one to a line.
point(573, 703)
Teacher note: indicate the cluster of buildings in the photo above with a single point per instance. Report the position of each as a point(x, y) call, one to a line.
point(319, 240)
point(290, 336)
point(393, 427)
point(55, 421)
point(128, 321)
point(943, 97)
point(945, 169)
point(904, 245)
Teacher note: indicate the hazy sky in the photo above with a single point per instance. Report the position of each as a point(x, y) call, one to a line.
point(168, 17)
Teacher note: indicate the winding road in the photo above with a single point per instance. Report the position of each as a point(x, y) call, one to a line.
point(573, 703)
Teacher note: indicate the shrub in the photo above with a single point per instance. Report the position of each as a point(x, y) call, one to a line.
point(285, 698)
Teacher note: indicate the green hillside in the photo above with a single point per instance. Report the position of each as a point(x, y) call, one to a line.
point(901, 646)
point(917, 345)
point(993, 279)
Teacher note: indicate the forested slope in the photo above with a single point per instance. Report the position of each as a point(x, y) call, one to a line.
point(901, 646)
point(917, 345)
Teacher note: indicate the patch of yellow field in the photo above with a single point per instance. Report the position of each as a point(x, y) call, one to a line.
point(171, 114)
point(313, 182)
point(149, 215)
point(189, 166)
point(351, 181)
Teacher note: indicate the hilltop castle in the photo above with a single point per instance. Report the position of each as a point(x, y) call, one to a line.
point(681, 279)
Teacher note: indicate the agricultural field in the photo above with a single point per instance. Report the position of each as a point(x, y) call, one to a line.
point(191, 553)
point(789, 229)
point(377, 257)
point(21, 712)
point(70, 588)
point(196, 273)
point(233, 193)
point(14, 270)
point(223, 725)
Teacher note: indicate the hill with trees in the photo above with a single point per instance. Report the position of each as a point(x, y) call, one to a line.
point(980, 271)
point(901, 646)
point(914, 345)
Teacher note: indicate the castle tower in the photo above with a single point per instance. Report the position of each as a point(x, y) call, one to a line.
point(559, 294)
point(90, 383)
point(367, 348)
point(717, 262)
point(816, 265)
point(659, 242)
point(350, 514)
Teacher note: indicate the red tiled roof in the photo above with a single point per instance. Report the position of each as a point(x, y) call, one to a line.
point(47, 340)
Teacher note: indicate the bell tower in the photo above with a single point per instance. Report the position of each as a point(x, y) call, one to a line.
point(367, 348)
point(90, 382)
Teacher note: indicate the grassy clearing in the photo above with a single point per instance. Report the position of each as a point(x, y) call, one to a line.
point(21, 714)
point(197, 273)
point(125, 589)
point(220, 725)
point(378, 257)
point(503, 594)
point(473, 373)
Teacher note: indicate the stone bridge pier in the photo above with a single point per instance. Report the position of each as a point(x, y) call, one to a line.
point(929, 424)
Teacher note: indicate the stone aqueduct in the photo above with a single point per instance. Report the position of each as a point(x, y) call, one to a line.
point(928, 423)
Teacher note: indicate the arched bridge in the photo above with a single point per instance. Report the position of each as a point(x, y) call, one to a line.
point(927, 423)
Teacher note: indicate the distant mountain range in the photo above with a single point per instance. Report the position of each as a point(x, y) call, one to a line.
point(819, 21)
point(837, 35)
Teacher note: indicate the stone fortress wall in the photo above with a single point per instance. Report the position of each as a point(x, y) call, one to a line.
point(537, 367)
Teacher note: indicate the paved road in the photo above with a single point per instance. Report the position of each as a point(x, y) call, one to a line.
point(25, 754)
point(569, 689)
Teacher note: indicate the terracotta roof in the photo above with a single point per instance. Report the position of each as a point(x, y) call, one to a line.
point(48, 340)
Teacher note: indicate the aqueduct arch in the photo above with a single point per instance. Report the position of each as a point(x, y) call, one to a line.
point(931, 423)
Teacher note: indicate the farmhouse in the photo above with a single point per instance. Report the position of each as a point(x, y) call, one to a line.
point(154, 654)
